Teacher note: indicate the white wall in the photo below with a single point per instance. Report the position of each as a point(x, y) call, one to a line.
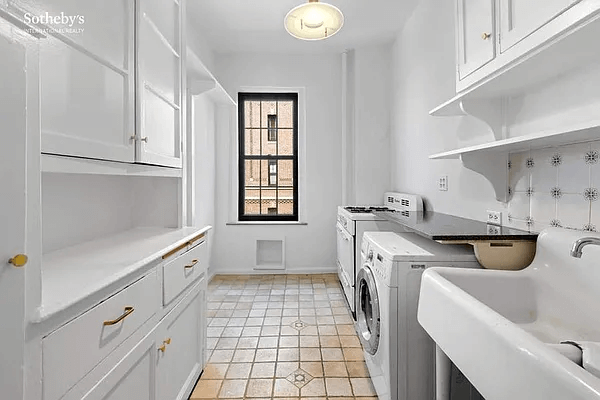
point(205, 160)
point(97, 206)
point(312, 247)
point(372, 95)
point(423, 77)
point(423, 70)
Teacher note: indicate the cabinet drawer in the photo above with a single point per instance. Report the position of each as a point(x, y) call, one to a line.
point(72, 351)
point(184, 270)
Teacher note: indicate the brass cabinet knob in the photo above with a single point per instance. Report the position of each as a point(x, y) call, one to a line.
point(162, 348)
point(168, 341)
point(486, 36)
point(19, 260)
point(144, 139)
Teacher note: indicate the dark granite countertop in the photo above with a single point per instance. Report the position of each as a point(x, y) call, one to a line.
point(438, 226)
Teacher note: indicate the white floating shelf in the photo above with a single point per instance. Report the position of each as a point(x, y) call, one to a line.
point(197, 71)
point(73, 165)
point(584, 133)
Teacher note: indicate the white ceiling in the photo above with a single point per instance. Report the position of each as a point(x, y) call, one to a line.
point(230, 26)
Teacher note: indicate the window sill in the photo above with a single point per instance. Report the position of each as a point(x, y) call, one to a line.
point(276, 223)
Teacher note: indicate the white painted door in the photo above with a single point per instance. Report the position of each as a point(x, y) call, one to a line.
point(159, 94)
point(133, 378)
point(180, 364)
point(18, 54)
point(520, 18)
point(87, 78)
point(475, 35)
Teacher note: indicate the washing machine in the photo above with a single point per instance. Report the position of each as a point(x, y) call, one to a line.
point(398, 352)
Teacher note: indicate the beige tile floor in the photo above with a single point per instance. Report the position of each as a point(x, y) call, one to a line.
point(282, 337)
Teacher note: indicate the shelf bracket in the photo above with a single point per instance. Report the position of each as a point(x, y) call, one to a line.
point(488, 111)
point(494, 167)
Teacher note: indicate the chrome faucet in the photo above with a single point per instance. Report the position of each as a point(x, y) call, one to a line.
point(576, 250)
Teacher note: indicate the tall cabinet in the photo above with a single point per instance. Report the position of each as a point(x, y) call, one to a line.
point(103, 286)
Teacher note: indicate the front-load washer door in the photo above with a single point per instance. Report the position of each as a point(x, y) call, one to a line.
point(368, 320)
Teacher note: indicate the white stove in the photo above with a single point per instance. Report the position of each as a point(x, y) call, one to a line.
point(353, 221)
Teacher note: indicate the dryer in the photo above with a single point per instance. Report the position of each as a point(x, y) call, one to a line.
point(398, 352)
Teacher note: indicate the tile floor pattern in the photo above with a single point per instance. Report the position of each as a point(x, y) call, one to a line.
point(282, 337)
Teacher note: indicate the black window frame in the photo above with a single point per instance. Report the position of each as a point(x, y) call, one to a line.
point(244, 97)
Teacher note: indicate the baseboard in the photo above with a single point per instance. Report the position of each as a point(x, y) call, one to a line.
point(287, 271)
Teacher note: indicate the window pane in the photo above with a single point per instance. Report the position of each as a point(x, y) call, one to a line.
point(285, 142)
point(252, 202)
point(252, 171)
point(269, 200)
point(285, 114)
point(286, 202)
point(252, 114)
point(252, 142)
point(269, 148)
point(285, 173)
point(268, 108)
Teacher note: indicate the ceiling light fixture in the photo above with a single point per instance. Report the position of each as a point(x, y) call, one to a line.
point(314, 21)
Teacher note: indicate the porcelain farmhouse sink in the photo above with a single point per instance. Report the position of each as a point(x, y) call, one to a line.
point(504, 329)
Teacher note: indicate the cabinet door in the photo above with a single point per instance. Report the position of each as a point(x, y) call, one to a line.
point(159, 83)
point(18, 53)
point(519, 18)
point(180, 364)
point(133, 378)
point(87, 78)
point(475, 35)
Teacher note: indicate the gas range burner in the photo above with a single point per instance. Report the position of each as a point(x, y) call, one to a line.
point(365, 210)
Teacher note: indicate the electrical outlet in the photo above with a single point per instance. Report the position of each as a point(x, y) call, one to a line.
point(494, 217)
point(493, 229)
point(443, 183)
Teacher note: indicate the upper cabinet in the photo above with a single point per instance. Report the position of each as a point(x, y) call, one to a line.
point(475, 35)
point(519, 19)
point(540, 38)
point(159, 91)
point(87, 79)
point(111, 78)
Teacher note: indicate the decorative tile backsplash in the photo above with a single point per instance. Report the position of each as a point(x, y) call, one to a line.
point(557, 186)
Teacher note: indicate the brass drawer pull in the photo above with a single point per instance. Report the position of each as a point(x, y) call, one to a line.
point(194, 262)
point(128, 311)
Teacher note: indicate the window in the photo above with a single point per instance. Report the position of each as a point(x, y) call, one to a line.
point(268, 157)
point(272, 118)
point(272, 172)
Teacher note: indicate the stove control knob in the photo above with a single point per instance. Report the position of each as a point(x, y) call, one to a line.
point(370, 256)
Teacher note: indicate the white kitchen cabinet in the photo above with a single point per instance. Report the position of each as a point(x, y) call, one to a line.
point(17, 73)
point(180, 361)
point(159, 83)
point(87, 81)
point(132, 378)
point(475, 35)
point(519, 19)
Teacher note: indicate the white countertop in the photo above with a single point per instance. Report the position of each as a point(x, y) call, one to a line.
point(72, 274)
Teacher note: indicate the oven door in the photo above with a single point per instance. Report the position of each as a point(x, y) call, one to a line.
point(345, 260)
point(368, 321)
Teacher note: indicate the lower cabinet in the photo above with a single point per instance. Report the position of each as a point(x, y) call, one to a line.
point(130, 378)
point(181, 344)
point(163, 365)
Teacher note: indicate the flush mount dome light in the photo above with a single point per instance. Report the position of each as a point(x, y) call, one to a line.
point(314, 21)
